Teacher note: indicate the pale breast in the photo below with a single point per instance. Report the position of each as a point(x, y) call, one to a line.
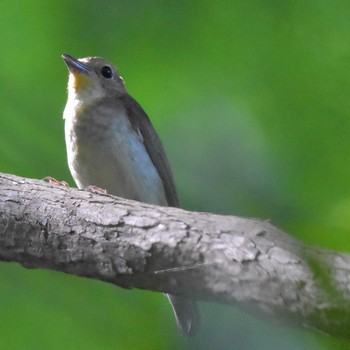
point(104, 150)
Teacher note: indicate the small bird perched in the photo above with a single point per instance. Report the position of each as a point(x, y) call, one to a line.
point(112, 144)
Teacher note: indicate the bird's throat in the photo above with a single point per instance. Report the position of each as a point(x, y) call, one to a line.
point(79, 81)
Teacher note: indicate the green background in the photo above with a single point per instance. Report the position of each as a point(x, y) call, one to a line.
point(251, 100)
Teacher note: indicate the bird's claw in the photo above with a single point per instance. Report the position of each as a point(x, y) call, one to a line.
point(53, 181)
point(95, 189)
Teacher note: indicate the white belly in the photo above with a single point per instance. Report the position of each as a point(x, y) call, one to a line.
point(116, 160)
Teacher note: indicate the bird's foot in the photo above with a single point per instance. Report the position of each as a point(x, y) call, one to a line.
point(53, 181)
point(95, 189)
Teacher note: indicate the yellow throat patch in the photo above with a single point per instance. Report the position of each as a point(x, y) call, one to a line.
point(80, 81)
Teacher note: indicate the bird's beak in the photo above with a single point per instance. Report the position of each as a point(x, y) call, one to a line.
point(74, 65)
point(79, 77)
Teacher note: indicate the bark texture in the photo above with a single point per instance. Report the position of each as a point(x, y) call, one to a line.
point(239, 261)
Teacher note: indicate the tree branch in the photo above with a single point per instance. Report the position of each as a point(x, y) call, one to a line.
point(238, 261)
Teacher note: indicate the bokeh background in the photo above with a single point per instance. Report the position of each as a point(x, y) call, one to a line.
point(251, 100)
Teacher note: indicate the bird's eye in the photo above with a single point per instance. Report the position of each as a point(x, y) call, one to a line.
point(107, 72)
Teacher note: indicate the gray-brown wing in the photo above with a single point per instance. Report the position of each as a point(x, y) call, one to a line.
point(142, 125)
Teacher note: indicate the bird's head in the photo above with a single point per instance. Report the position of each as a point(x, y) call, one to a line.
point(93, 78)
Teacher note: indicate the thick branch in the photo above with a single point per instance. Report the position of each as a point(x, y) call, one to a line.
point(239, 261)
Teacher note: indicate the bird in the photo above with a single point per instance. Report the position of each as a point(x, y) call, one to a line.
point(112, 144)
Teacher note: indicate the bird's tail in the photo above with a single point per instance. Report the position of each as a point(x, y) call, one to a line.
point(186, 313)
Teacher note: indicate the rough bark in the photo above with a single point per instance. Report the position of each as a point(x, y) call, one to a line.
point(234, 260)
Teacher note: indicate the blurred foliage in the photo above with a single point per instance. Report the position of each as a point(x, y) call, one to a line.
point(251, 99)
